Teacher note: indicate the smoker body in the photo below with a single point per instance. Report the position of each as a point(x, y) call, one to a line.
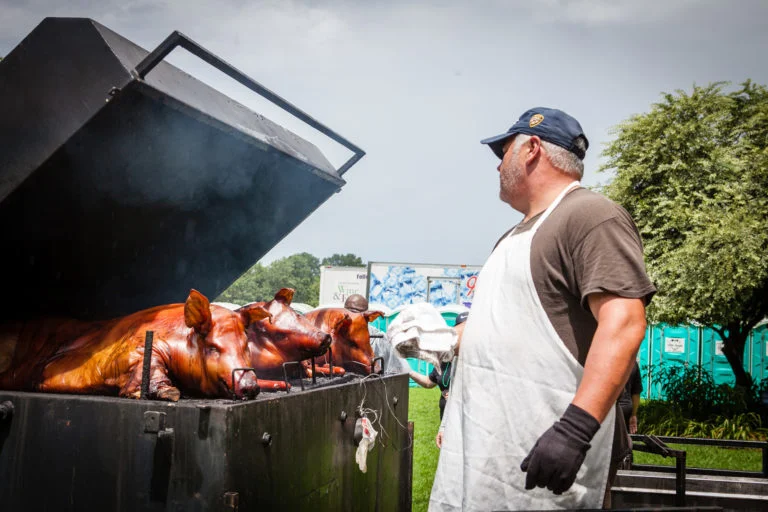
point(124, 182)
point(287, 452)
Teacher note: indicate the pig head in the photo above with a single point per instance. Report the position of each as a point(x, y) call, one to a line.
point(284, 336)
point(351, 345)
point(195, 348)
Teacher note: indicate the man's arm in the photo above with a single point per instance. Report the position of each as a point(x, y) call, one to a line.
point(421, 380)
point(620, 331)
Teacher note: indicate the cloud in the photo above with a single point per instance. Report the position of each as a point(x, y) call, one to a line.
point(418, 83)
point(607, 12)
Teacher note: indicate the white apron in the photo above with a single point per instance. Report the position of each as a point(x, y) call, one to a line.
point(515, 377)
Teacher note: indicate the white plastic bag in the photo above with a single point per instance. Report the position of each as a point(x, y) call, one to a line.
point(366, 444)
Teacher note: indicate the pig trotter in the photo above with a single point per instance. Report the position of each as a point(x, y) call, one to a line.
point(170, 393)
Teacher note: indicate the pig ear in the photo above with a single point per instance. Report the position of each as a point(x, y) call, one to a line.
point(285, 295)
point(253, 314)
point(342, 322)
point(197, 312)
point(370, 316)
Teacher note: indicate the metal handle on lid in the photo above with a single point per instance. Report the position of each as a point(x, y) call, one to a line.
point(179, 39)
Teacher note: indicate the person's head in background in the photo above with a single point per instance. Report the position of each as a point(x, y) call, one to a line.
point(356, 303)
point(461, 319)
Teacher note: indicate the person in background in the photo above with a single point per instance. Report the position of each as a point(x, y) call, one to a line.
point(629, 402)
point(356, 303)
point(442, 378)
point(630, 399)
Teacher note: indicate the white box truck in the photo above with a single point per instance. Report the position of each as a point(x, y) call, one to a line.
point(338, 283)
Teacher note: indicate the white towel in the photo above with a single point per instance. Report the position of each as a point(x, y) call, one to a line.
point(419, 331)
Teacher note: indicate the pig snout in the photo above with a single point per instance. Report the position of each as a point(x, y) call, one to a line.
point(366, 363)
point(325, 340)
point(245, 385)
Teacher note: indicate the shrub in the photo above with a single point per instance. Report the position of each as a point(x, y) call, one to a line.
point(692, 390)
point(696, 407)
point(664, 419)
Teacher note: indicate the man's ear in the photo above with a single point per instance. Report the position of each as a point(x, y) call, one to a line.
point(534, 149)
point(197, 313)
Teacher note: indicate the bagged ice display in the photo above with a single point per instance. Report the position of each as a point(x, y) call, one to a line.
point(397, 285)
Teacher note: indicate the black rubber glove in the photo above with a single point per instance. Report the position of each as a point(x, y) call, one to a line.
point(558, 454)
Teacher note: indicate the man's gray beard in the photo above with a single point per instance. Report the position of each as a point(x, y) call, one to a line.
point(508, 182)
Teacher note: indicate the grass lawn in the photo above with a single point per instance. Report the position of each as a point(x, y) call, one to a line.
point(425, 414)
point(696, 456)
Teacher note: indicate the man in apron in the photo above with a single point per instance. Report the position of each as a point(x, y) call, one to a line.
point(555, 325)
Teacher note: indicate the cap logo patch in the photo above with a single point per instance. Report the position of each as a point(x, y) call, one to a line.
point(535, 120)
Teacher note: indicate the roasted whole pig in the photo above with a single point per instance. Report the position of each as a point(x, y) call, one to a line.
point(351, 345)
point(285, 336)
point(196, 347)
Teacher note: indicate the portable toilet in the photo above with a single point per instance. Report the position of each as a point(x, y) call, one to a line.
point(643, 361)
point(382, 322)
point(758, 341)
point(450, 312)
point(713, 359)
point(671, 345)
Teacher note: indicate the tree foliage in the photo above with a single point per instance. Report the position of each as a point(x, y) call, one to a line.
point(298, 271)
point(343, 260)
point(693, 173)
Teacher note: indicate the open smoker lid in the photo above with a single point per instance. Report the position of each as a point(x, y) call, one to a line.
point(122, 189)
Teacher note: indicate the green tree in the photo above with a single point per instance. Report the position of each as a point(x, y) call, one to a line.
point(343, 260)
point(298, 271)
point(693, 173)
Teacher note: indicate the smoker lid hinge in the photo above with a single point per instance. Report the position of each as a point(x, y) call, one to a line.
point(232, 500)
point(6, 410)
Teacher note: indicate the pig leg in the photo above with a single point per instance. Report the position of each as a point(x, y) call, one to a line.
point(321, 369)
point(273, 385)
point(160, 385)
point(307, 364)
point(326, 370)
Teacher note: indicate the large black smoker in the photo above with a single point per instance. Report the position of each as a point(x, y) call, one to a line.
point(124, 182)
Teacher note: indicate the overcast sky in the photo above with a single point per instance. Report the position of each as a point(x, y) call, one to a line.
point(417, 84)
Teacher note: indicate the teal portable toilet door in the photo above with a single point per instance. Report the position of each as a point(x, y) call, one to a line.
point(655, 361)
point(759, 343)
point(673, 345)
point(680, 344)
point(644, 360)
point(381, 323)
point(449, 317)
point(713, 359)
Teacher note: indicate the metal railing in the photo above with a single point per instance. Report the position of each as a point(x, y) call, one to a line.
point(658, 446)
point(724, 443)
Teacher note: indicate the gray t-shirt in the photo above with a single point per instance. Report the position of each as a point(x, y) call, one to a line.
point(588, 244)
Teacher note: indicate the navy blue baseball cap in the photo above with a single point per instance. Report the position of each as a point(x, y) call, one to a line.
point(548, 124)
point(461, 317)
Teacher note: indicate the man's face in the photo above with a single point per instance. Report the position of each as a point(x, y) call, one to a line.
point(511, 172)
